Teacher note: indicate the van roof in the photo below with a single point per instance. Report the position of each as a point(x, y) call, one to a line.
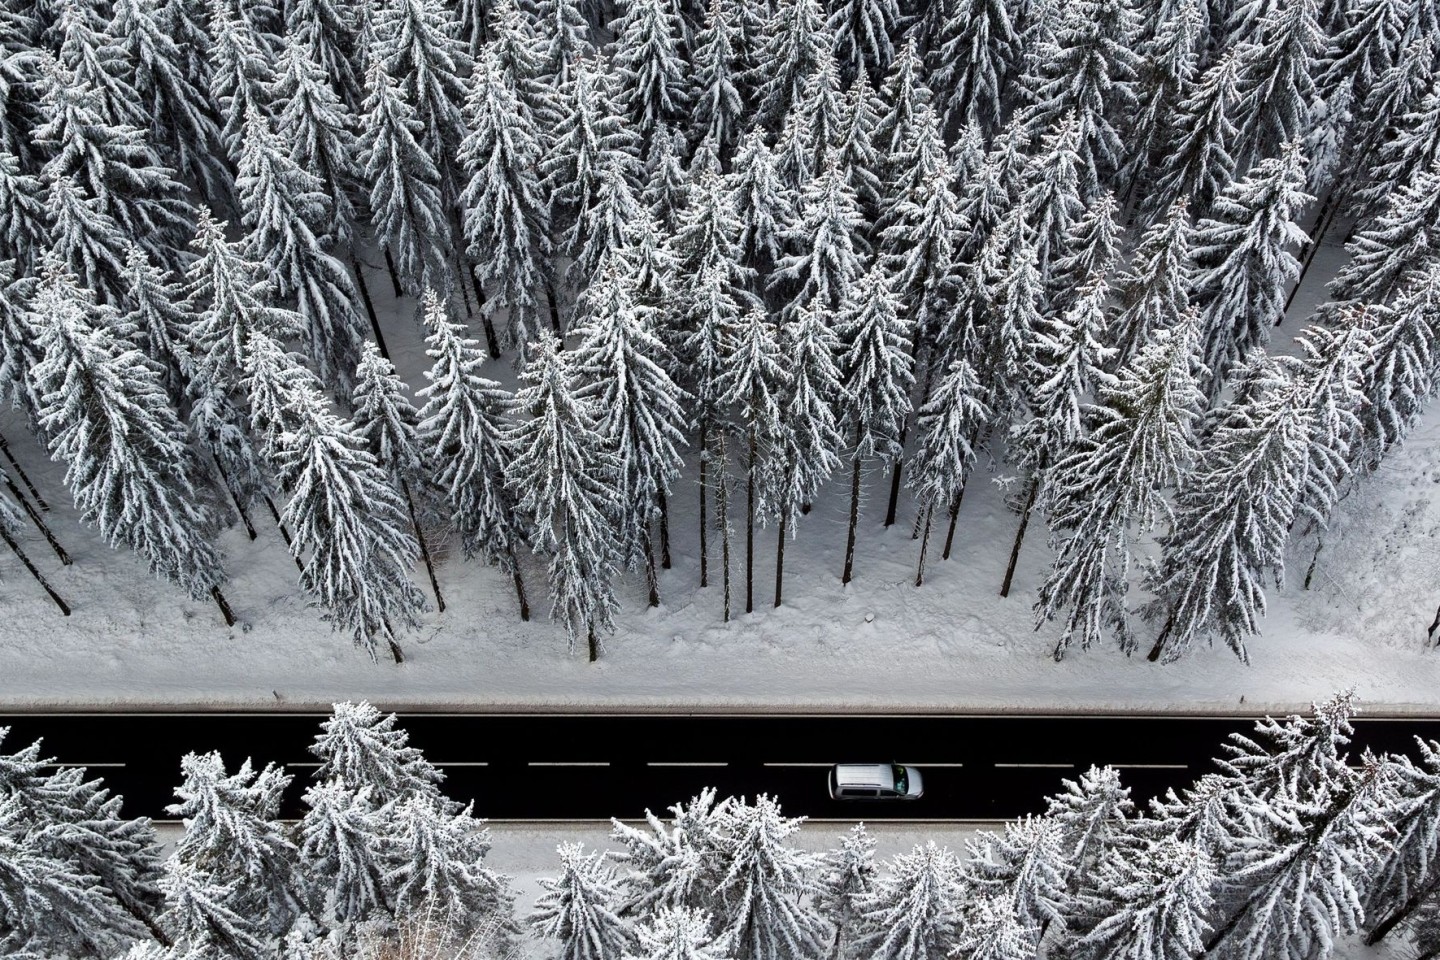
point(879, 775)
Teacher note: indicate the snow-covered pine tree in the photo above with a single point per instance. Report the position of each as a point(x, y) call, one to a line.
point(977, 50)
point(418, 44)
point(233, 848)
point(1025, 865)
point(827, 262)
point(811, 130)
point(765, 913)
point(387, 420)
point(1088, 253)
point(563, 476)
point(104, 413)
point(679, 867)
point(1139, 441)
point(1008, 287)
point(241, 74)
point(111, 165)
point(1051, 201)
point(649, 64)
point(903, 94)
point(1087, 71)
point(89, 51)
point(607, 224)
point(947, 426)
point(718, 107)
point(751, 384)
point(1245, 262)
point(506, 218)
point(1392, 246)
point(1366, 48)
point(175, 110)
point(862, 30)
point(1403, 134)
point(917, 161)
point(203, 919)
point(523, 57)
point(318, 129)
point(87, 240)
point(876, 376)
point(361, 748)
point(464, 434)
point(407, 208)
point(562, 37)
point(24, 230)
point(809, 441)
point(849, 876)
point(992, 931)
point(991, 191)
point(284, 208)
point(666, 181)
point(764, 204)
point(1400, 373)
point(581, 908)
point(18, 351)
point(675, 934)
point(1198, 162)
point(708, 239)
point(620, 367)
point(1096, 820)
point(156, 312)
point(914, 911)
point(1232, 517)
point(436, 860)
point(1405, 873)
point(794, 42)
point(1276, 78)
point(343, 510)
point(341, 841)
point(1154, 904)
point(327, 33)
point(1171, 39)
point(1153, 292)
point(854, 150)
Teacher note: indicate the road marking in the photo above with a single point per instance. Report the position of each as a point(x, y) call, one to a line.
point(567, 763)
point(462, 763)
point(955, 765)
point(678, 763)
point(304, 763)
point(797, 764)
point(1036, 766)
point(63, 765)
point(1148, 766)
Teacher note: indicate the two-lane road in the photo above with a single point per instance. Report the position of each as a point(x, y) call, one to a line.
point(576, 766)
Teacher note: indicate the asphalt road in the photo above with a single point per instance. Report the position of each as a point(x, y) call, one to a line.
point(584, 767)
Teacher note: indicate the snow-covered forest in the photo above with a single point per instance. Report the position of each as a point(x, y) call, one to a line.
point(1289, 846)
point(754, 246)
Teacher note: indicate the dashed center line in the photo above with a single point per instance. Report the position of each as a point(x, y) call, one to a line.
point(1035, 766)
point(58, 766)
point(567, 763)
point(679, 763)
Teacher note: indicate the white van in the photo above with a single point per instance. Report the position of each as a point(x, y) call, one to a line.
point(875, 781)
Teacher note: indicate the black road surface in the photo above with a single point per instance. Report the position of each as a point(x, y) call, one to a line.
point(587, 767)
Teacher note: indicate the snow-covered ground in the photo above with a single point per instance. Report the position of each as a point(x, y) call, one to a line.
point(881, 643)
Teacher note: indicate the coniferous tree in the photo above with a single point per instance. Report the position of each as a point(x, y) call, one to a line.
point(200, 918)
point(827, 262)
point(992, 931)
point(463, 431)
point(947, 425)
point(764, 915)
point(914, 912)
point(1171, 40)
point(1401, 370)
point(977, 50)
point(854, 151)
point(1405, 137)
point(876, 377)
point(563, 476)
point(1276, 77)
point(1245, 261)
point(506, 220)
point(714, 90)
point(1139, 442)
point(361, 748)
point(902, 96)
point(1388, 249)
point(159, 318)
point(648, 65)
point(1025, 865)
point(850, 876)
point(563, 37)
point(104, 412)
point(621, 364)
point(1089, 252)
point(1154, 290)
point(809, 436)
point(1200, 162)
point(241, 74)
point(1404, 875)
point(24, 230)
point(608, 222)
point(1052, 202)
point(327, 33)
point(95, 60)
point(675, 934)
point(1152, 906)
point(581, 908)
point(862, 30)
point(86, 239)
point(341, 840)
point(763, 203)
point(795, 41)
point(751, 384)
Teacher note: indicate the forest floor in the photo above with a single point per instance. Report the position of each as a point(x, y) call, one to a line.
point(879, 644)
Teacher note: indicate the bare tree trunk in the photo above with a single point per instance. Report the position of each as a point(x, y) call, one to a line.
point(364, 290)
point(854, 512)
point(1024, 522)
point(554, 310)
point(1434, 625)
point(224, 606)
point(464, 290)
point(895, 486)
point(664, 529)
point(424, 546)
point(594, 644)
point(1383, 928)
point(234, 497)
point(652, 580)
point(38, 520)
point(396, 653)
point(1154, 655)
point(924, 546)
point(284, 534)
point(39, 577)
point(704, 496)
point(394, 277)
point(722, 517)
point(780, 555)
point(519, 585)
point(492, 343)
point(750, 524)
point(954, 516)
point(1314, 559)
point(24, 477)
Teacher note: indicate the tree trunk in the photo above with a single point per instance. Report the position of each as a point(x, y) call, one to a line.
point(424, 547)
point(224, 606)
point(492, 343)
point(1154, 655)
point(750, 524)
point(396, 653)
point(519, 585)
point(1024, 522)
point(364, 290)
point(594, 645)
point(704, 495)
point(394, 277)
point(284, 534)
point(554, 310)
point(722, 518)
point(24, 477)
point(464, 290)
point(38, 520)
point(780, 555)
point(894, 488)
point(664, 529)
point(924, 545)
point(1434, 626)
point(652, 580)
point(1383, 928)
point(854, 519)
point(39, 577)
point(954, 515)
point(1314, 559)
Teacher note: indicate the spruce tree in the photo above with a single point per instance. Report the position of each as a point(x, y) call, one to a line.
point(608, 222)
point(361, 748)
point(764, 204)
point(241, 73)
point(581, 908)
point(1200, 161)
point(1277, 80)
point(763, 915)
point(914, 912)
point(1170, 45)
point(1025, 865)
point(563, 476)
point(341, 841)
point(563, 37)
point(1153, 905)
point(104, 413)
point(675, 934)
point(648, 65)
point(718, 112)
point(947, 426)
point(156, 311)
point(87, 240)
point(1401, 371)
point(327, 35)
point(977, 50)
point(795, 41)
point(1390, 248)
point(862, 30)
point(1404, 133)
point(24, 229)
point(826, 264)
point(1154, 290)
point(849, 877)
point(464, 434)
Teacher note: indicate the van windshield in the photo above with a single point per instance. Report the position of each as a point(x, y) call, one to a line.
point(902, 785)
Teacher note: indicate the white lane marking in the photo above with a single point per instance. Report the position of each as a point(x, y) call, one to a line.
point(1036, 766)
point(797, 764)
point(955, 765)
point(1147, 766)
point(678, 763)
point(567, 763)
point(95, 765)
point(461, 763)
